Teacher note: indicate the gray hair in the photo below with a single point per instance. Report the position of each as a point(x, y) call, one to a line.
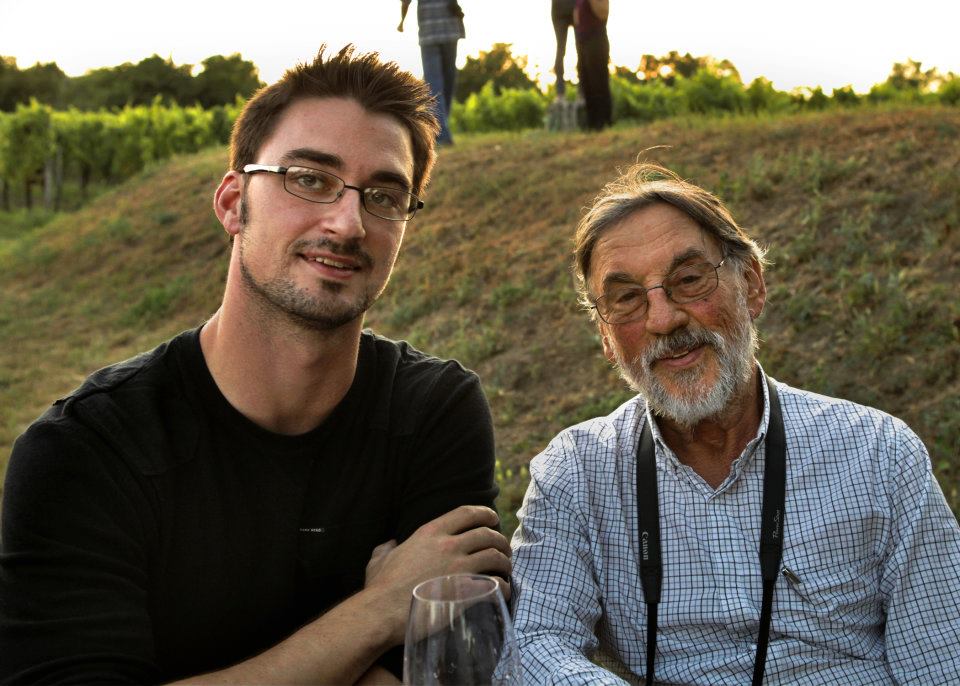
point(646, 184)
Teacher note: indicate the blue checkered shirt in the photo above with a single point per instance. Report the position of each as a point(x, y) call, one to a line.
point(437, 24)
point(871, 545)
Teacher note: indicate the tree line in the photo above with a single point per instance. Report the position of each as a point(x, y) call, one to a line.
point(60, 135)
point(220, 81)
point(137, 114)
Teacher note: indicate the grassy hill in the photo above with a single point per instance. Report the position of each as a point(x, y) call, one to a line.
point(860, 211)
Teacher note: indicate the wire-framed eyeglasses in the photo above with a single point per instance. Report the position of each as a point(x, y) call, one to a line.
point(625, 303)
point(316, 185)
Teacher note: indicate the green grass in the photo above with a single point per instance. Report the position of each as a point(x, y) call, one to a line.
point(860, 210)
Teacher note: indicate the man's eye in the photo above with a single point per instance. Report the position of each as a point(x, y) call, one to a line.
point(689, 279)
point(309, 181)
point(383, 197)
point(625, 297)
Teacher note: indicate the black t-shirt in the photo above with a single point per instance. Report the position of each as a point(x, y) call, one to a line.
point(151, 531)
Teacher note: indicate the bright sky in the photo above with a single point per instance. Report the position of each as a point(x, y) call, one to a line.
point(830, 43)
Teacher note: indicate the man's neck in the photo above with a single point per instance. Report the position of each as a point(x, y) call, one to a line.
point(284, 378)
point(711, 447)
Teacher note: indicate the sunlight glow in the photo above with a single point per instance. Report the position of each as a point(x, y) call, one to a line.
point(830, 44)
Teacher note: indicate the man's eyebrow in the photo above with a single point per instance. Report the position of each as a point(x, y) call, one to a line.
point(327, 159)
point(312, 155)
point(617, 278)
point(686, 256)
point(384, 176)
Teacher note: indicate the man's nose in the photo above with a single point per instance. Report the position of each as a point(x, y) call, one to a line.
point(344, 216)
point(663, 315)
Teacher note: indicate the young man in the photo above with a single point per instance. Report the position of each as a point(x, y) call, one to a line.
point(254, 500)
point(722, 525)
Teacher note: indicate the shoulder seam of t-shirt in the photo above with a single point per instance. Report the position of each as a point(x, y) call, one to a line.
point(113, 376)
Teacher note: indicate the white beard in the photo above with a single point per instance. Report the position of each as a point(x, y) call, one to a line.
point(694, 399)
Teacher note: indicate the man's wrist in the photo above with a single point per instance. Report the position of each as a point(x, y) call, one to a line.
point(379, 606)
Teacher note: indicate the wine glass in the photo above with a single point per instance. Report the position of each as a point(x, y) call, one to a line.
point(459, 633)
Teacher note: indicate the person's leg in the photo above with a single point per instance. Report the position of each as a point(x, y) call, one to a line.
point(604, 98)
point(433, 75)
point(449, 60)
point(560, 26)
point(581, 64)
point(584, 74)
point(590, 68)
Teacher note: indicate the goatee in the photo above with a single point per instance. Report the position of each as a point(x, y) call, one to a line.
point(692, 398)
point(281, 294)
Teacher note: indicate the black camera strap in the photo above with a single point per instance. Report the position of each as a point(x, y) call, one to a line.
point(771, 530)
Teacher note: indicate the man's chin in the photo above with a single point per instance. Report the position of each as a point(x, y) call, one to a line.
point(684, 401)
point(326, 312)
point(686, 416)
point(685, 384)
point(334, 315)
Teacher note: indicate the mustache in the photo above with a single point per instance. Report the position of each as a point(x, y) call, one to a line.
point(349, 248)
point(679, 341)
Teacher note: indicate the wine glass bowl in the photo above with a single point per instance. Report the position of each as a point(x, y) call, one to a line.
point(459, 633)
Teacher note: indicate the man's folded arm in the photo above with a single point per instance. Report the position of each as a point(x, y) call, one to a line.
point(451, 457)
point(74, 581)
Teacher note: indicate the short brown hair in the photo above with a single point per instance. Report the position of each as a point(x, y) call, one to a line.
point(380, 87)
point(646, 184)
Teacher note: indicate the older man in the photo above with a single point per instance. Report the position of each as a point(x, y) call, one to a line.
point(253, 501)
point(722, 525)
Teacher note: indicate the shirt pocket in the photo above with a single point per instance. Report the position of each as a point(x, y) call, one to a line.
point(832, 570)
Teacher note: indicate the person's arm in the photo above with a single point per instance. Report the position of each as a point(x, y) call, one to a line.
point(601, 8)
point(556, 600)
point(443, 446)
point(378, 676)
point(448, 458)
point(337, 648)
point(75, 568)
point(341, 645)
point(921, 577)
point(445, 525)
point(404, 6)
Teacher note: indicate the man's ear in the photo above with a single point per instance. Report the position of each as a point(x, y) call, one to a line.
point(756, 287)
point(605, 341)
point(226, 201)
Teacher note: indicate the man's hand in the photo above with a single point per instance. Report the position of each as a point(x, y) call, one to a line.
point(377, 676)
point(462, 541)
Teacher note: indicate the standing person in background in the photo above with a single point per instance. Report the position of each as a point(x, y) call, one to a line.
point(441, 26)
point(593, 58)
point(563, 114)
point(561, 13)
